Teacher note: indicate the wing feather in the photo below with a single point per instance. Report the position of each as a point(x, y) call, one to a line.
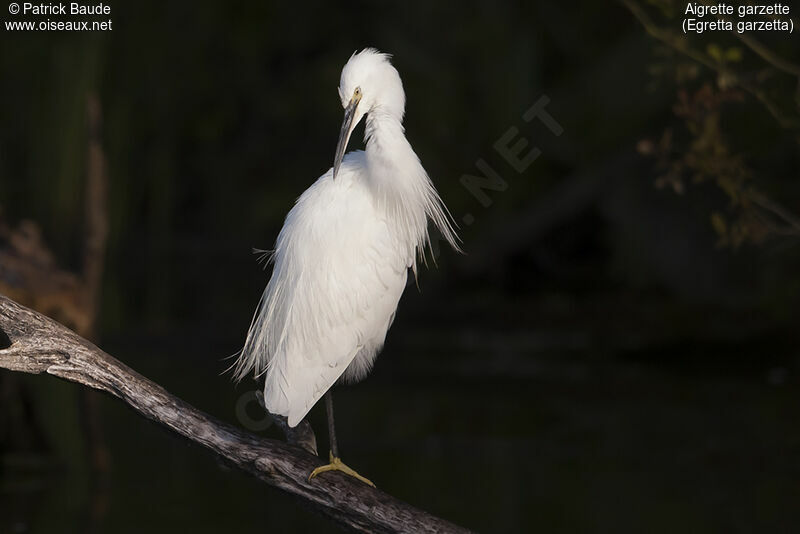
point(337, 278)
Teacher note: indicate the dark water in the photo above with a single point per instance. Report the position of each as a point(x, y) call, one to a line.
point(500, 430)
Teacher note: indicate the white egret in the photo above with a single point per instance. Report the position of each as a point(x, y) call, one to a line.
point(343, 254)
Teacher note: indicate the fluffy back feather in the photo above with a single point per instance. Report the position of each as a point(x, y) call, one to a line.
point(398, 185)
point(402, 185)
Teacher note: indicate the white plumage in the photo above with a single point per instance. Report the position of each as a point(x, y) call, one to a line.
point(342, 257)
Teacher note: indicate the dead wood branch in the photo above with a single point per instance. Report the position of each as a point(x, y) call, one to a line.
point(33, 343)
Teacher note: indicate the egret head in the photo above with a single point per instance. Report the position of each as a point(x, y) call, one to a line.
point(369, 84)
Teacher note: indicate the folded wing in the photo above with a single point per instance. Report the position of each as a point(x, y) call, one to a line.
point(337, 278)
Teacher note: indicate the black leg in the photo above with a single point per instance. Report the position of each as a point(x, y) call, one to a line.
point(331, 427)
point(336, 462)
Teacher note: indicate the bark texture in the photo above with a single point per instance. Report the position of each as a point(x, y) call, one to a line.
point(33, 343)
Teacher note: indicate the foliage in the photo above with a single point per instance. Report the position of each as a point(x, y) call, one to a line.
point(726, 84)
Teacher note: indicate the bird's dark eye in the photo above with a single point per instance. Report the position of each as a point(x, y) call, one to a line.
point(358, 90)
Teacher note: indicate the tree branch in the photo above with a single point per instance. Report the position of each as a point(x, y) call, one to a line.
point(680, 44)
point(33, 343)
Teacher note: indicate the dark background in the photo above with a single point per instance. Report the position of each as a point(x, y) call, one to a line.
point(617, 349)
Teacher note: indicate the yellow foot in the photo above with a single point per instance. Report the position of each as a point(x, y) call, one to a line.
point(338, 465)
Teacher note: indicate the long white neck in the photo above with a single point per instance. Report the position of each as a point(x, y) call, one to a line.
point(402, 187)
